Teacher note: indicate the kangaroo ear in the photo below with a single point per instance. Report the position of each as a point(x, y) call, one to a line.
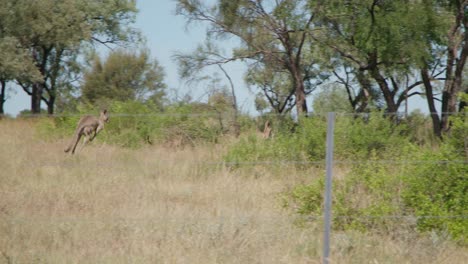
point(104, 111)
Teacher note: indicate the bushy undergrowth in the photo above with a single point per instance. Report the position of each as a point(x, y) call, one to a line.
point(393, 183)
point(355, 138)
point(439, 188)
point(133, 124)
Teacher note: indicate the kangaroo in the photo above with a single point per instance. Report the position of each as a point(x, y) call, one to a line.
point(89, 127)
point(267, 130)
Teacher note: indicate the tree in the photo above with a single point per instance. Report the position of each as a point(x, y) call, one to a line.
point(453, 49)
point(331, 99)
point(382, 42)
point(15, 62)
point(275, 87)
point(401, 45)
point(221, 102)
point(55, 33)
point(125, 75)
point(271, 33)
point(192, 65)
point(361, 93)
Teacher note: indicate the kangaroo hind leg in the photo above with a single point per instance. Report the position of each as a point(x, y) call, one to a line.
point(76, 143)
point(88, 136)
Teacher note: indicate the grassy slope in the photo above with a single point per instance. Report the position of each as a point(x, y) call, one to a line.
point(154, 205)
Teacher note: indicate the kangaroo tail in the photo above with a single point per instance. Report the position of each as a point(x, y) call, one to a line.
point(75, 140)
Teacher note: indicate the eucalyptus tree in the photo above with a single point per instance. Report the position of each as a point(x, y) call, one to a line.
point(56, 32)
point(331, 98)
point(449, 60)
point(125, 75)
point(381, 41)
point(15, 62)
point(270, 33)
point(275, 87)
point(192, 65)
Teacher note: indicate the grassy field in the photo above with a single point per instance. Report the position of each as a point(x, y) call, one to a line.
point(157, 205)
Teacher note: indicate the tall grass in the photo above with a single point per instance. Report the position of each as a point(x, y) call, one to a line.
point(157, 205)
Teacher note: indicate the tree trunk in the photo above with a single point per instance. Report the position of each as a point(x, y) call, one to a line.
point(298, 83)
point(2, 96)
point(388, 94)
point(301, 103)
point(436, 123)
point(36, 98)
point(364, 95)
point(455, 65)
point(50, 105)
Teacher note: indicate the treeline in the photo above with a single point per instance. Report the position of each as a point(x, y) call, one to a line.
point(381, 52)
point(377, 54)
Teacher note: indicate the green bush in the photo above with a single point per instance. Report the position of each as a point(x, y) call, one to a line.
point(437, 191)
point(355, 138)
point(283, 147)
point(457, 137)
point(132, 124)
point(389, 176)
point(360, 137)
point(369, 191)
point(416, 183)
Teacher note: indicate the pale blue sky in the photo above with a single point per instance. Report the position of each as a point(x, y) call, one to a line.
point(167, 33)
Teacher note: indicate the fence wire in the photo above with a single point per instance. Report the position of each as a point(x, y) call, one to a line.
point(271, 115)
point(227, 219)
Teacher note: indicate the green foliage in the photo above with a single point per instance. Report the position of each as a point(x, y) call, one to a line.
point(47, 37)
point(457, 138)
point(125, 76)
point(391, 29)
point(133, 124)
point(188, 124)
point(302, 145)
point(15, 63)
point(274, 89)
point(331, 98)
point(228, 9)
point(420, 130)
point(273, 34)
point(390, 176)
point(439, 189)
point(308, 199)
point(357, 138)
point(368, 192)
point(130, 130)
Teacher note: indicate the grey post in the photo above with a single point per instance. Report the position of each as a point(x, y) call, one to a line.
point(328, 187)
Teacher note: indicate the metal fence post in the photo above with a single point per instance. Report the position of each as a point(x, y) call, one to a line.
point(328, 187)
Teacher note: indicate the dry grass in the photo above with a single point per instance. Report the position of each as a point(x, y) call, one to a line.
point(154, 205)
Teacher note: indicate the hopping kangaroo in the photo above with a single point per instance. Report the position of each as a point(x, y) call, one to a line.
point(89, 127)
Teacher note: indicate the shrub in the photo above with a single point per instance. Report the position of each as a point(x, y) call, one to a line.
point(133, 124)
point(437, 191)
point(356, 138)
point(362, 200)
point(457, 138)
point(433, 190)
